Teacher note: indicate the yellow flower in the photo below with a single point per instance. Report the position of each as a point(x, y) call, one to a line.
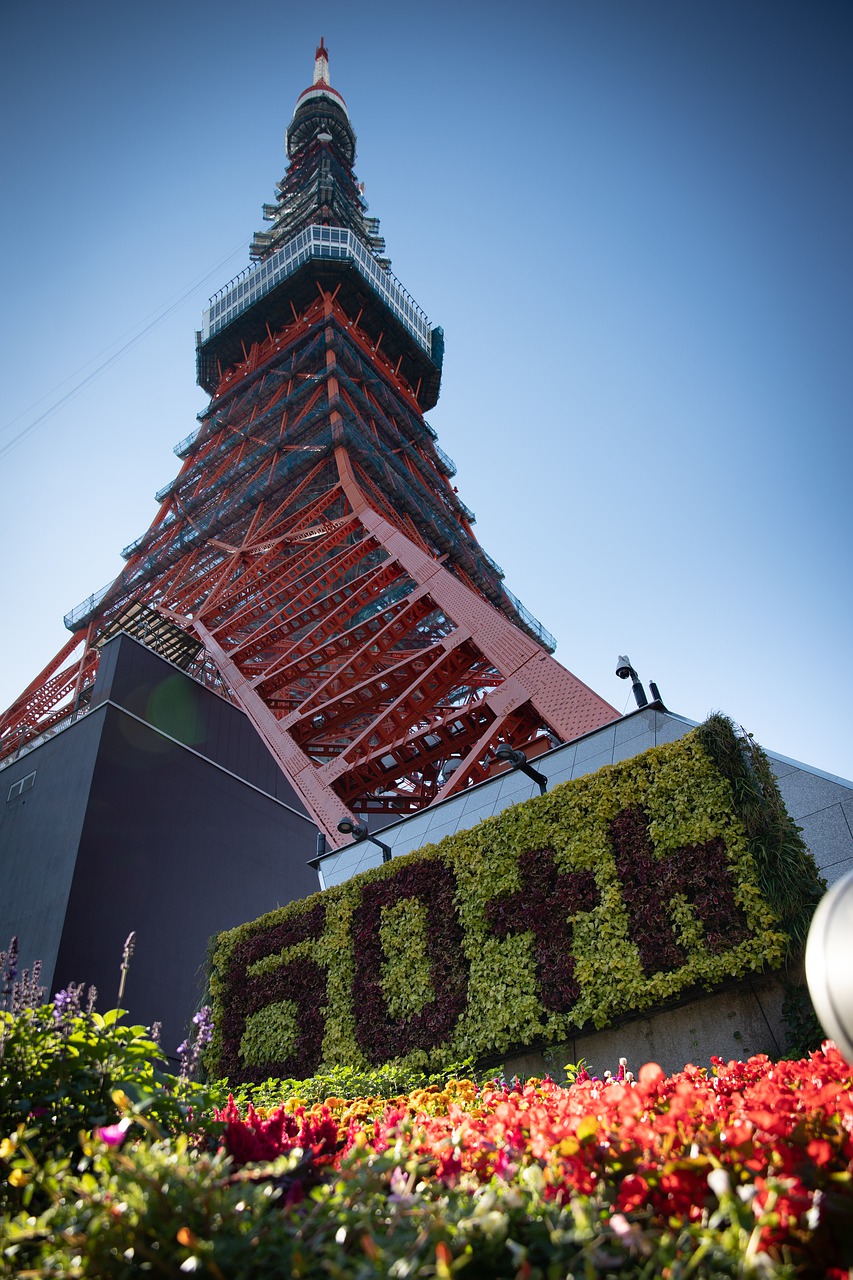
point(17, 1178)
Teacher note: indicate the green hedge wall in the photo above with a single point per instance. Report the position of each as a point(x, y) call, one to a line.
point(619, 892)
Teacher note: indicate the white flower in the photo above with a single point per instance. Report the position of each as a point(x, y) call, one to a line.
point(720, 1183)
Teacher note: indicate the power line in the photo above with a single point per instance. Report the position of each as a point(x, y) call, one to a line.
point(156, 318)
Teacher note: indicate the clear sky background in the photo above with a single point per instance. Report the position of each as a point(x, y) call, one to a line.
point(631, 217)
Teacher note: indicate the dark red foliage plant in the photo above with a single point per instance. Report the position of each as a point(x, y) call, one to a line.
point(379, 1036)
point(301, 980)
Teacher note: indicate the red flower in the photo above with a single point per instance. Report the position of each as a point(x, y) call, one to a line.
point(633, 1193)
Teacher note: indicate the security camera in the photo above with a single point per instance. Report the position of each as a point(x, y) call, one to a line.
point(624, 671)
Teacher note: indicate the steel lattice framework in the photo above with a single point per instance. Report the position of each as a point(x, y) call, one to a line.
point(311, 560)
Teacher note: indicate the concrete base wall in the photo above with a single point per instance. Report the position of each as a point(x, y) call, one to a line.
point(736, 1023)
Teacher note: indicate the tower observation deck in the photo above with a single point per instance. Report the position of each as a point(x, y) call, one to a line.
point(312, 560)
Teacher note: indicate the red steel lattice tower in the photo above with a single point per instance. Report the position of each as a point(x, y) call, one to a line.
point(311, 559)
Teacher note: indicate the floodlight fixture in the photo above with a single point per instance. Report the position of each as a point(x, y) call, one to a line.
point(510, 755)
point(448, 768)
point(359, 832)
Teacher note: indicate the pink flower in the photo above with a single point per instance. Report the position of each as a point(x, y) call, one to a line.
point(113, 1134)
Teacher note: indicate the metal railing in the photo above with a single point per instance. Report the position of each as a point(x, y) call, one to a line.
point(128, 551)
point(86, 607)
point(533, 624)
point(315, 242)
point(32, 743)
point(490, 560)
point(182, 448)
point(447, 463)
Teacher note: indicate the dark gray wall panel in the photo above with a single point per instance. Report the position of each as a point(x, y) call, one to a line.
point(39, 834)
point(176, 850)
point(135, 677)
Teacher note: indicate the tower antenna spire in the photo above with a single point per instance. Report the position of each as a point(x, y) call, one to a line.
point(321, 64)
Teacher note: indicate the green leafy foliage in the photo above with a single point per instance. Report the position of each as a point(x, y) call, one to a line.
point(343, 1082)
point(61, 1076)
point(787, 874)
point(405, 967)
point(804, 1032)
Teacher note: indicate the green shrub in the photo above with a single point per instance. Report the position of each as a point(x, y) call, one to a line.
point(343, 1082)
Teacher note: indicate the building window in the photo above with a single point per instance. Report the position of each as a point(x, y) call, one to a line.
point(23, 784)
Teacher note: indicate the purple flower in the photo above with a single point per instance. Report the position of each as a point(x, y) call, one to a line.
point(66, 1006)
point(12, 961)
point(61, 1001)
point(204, 1021)
point(9, 967)
point(190, 1050)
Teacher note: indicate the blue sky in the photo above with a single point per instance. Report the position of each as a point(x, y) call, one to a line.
point(631, 219)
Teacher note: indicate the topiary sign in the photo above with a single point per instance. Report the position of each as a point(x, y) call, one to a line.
point(676, 870)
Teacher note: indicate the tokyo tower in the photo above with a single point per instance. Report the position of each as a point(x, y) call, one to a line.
point(312, 560)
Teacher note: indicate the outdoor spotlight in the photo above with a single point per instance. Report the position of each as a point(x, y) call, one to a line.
point(623, 671)
point(518, 760)
point(451, 765)
point(359, 831)
point(448, 768)
point(349, 827)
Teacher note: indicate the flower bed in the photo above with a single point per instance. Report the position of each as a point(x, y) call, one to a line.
point(742, 1172)
point(760, 1150)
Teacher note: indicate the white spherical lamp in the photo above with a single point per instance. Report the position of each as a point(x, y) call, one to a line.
point(829, 964)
